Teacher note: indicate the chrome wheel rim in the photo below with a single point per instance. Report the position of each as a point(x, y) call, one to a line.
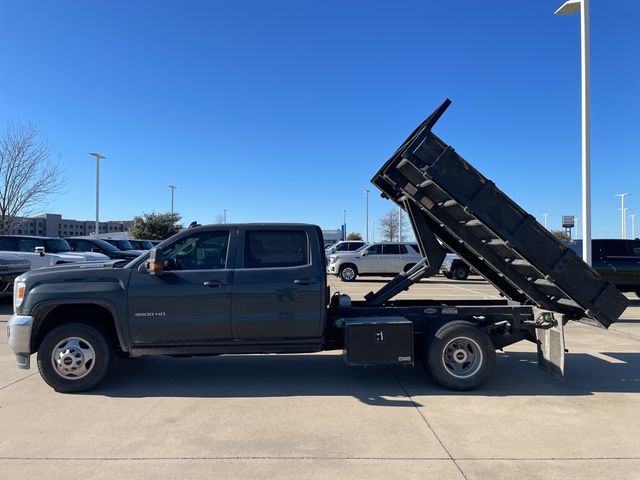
point(73, 358)
point(462, 357)
point(348, 273)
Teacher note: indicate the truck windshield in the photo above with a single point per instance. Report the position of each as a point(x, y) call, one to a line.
point(57, 245)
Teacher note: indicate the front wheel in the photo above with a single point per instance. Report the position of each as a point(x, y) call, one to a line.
point(348, 273)
point(461, 356)
point(74, 357)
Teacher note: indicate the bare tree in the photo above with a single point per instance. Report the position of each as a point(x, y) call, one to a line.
point(390, 226)
point(220, 219)
point(27, 174)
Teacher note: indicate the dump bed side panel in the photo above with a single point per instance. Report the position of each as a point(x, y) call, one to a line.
point(491, 232)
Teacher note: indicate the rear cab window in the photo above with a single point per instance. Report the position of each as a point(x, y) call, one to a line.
point(275, 248)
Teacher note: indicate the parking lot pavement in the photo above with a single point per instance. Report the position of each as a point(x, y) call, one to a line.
point(310, 416)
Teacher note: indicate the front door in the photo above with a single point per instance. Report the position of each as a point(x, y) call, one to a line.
point(372, 261)
point(190, 302)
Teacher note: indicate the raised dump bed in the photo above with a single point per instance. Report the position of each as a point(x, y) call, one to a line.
point(492, 233)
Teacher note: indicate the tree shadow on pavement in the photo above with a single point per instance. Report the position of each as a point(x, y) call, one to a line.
point(327, 375)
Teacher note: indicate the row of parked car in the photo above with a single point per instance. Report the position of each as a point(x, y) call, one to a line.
point(616, 260)
point(19, 253)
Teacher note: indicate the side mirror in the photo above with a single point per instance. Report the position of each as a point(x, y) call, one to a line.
point(155, 264)
point(40, 251)
point(364, 253)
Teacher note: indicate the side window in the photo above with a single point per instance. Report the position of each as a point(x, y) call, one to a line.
point(8, 244)
point(374, 250)
point(391, 250)
point(82, 246)
point(355, 246)
point(201, 251)
point(613, 249)
point(275, 248)
point(634, 247)
point(29, 244)
point(343, 247)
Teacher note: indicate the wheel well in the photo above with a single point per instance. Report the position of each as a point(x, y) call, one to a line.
point(353, 265)
point(90, 314)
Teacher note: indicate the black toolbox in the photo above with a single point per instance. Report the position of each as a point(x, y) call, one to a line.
point(378, 341)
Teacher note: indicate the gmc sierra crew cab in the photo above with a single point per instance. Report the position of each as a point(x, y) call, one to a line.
point(262, 288)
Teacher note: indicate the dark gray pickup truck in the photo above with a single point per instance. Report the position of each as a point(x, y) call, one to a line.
point(261, 288)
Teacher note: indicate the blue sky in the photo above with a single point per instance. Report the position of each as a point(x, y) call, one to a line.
point(283, 110)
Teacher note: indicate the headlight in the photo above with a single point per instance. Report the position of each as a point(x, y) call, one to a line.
point(333, 259)
point(19, 292)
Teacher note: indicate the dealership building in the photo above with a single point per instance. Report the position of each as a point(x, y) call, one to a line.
point(53, 225)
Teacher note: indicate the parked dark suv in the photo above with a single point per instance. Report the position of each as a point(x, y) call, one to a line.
point(100, 246)
point(616, 260)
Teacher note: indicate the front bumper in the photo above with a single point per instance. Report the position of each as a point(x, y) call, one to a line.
point(19, 330)
point(332, 269)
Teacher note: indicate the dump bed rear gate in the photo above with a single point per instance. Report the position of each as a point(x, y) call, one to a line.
point(464, 209)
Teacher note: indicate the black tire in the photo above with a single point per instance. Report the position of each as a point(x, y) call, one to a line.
point(448, 275)
point(348, 272)
point(69, 346)
point(460, 271)
point(460, 356)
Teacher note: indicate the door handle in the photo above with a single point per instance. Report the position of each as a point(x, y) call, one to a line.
point(303, 281)
point(215, 284)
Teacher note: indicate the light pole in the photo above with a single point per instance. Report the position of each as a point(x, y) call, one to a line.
point(344, 223)
point(98, 158)
point(624, 215)
point(633, 226)
point(567, 8)
point(545, 215)
point(366, 194)
point(623, 226)
point(225, 215)
point(172, 187)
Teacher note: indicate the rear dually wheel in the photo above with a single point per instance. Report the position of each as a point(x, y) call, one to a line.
point(461, 356)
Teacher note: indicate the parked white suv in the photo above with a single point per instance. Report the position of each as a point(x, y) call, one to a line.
point(345, 246)
point(45, 251)
point(374, 259)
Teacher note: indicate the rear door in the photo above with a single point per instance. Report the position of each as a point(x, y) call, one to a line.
point(613, 259)
point(394, 258)
point(278, 289)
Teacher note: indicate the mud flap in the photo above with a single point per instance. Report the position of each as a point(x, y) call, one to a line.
point(551, 349)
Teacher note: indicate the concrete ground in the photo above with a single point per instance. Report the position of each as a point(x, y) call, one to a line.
point(310, 416)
